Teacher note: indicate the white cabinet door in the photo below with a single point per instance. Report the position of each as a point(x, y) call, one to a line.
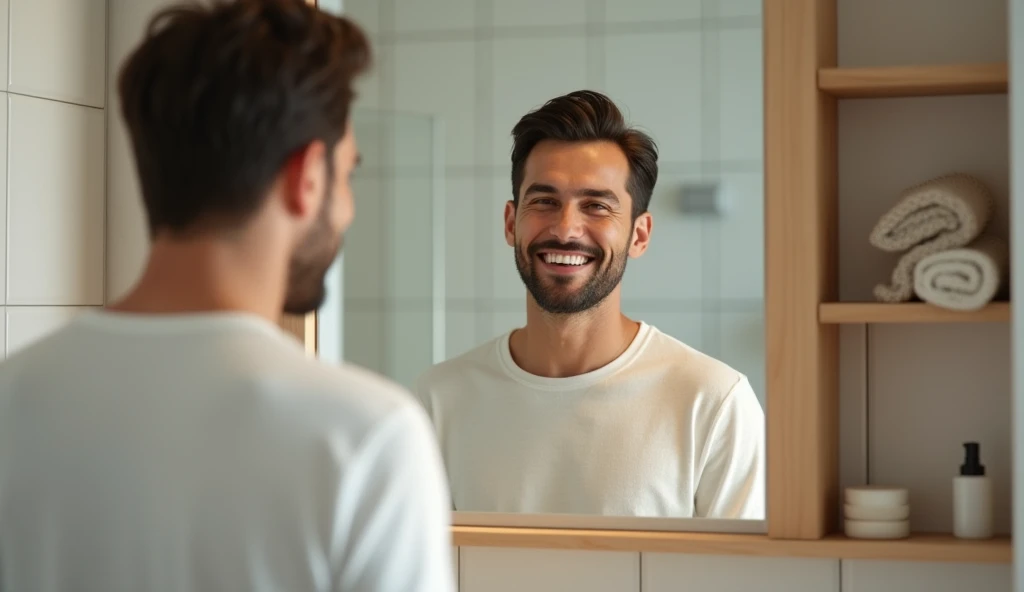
point(55, 203)
point(545, 570)
point(59, 49)
point(455, 565)
point(903, 576)
point(668, 572)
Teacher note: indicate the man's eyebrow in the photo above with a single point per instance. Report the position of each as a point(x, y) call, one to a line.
point(607, 194)
point(539, 188)
point(599, 193)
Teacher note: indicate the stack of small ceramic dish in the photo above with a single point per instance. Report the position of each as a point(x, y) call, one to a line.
point(877, 512)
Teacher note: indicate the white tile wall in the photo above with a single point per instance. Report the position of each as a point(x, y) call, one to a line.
point(364, 269)
point(667, 106)
point(741, 112)
point(526, 73)
point(411, 333)
point(741, 345)
point(740, 235)
point(436, 15)
point(672, 266)
point(461, 330)
point(632, 11)
point(507, 283)
point(58, 49)
point(515, 570)
point(437, 78)
point(26, 324)
point(736, 8)
point(460, 202)
point(503, 319)
point(669, 572)
point(533, 13)
point(4, 42)
point(364, 338)
point(52, 165)
point(411, 264)
point(55, 203)
point(367, 14)
point(685, 326)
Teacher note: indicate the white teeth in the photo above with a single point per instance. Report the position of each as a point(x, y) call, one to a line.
point(564, 259)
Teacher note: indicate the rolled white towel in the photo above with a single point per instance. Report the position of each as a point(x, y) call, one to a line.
point(967, 278)
point(950, 211)
point(901, 288)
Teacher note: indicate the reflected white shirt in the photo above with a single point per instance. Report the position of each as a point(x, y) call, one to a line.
point(662, 431)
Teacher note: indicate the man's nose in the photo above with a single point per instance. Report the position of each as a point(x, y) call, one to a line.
point(568, 225)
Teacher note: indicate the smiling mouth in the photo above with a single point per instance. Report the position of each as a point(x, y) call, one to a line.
point(566, 260)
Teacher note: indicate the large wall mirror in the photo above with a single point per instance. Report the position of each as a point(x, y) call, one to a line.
point(664, 419)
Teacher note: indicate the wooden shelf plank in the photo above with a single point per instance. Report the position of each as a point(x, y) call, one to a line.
point(923, 547)
point(914, 81)
point(832, 313)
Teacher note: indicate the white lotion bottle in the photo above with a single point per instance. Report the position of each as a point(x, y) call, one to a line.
point(972, 497)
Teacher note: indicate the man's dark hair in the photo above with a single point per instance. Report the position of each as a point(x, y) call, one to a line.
point(587, 116)
point(219, 95)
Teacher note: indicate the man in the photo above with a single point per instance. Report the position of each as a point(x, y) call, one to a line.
point(178, 439)
point(584, 410)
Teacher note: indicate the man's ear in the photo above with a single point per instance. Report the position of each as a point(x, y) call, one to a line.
point(510, 223)
point(642, 228)
point(305, 180)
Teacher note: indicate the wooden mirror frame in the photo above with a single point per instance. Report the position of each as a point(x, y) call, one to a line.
point(802, 85)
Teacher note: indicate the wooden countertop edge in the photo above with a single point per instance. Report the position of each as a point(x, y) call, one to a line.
point(922, 547)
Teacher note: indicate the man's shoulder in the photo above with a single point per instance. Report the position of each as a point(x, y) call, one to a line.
point(688, 363)
point(463, 368)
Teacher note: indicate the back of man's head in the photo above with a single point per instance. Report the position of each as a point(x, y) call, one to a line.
point(218, 95)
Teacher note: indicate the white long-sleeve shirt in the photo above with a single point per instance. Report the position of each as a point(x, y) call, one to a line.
point(662, 431)
point(207, 452)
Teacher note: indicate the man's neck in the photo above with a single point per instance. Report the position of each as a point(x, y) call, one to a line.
point(560, 346)
point(206, 275)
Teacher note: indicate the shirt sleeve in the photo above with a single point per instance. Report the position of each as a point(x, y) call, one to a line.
point(732, 477)
point(394, 513)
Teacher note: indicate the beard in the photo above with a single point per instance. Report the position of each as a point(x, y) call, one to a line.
point(555, 294)
point(309, 265)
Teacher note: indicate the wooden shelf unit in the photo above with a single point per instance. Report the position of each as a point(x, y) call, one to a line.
point(914, 81)
point(919, 547)
point(803, 85)
point(910, 312)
